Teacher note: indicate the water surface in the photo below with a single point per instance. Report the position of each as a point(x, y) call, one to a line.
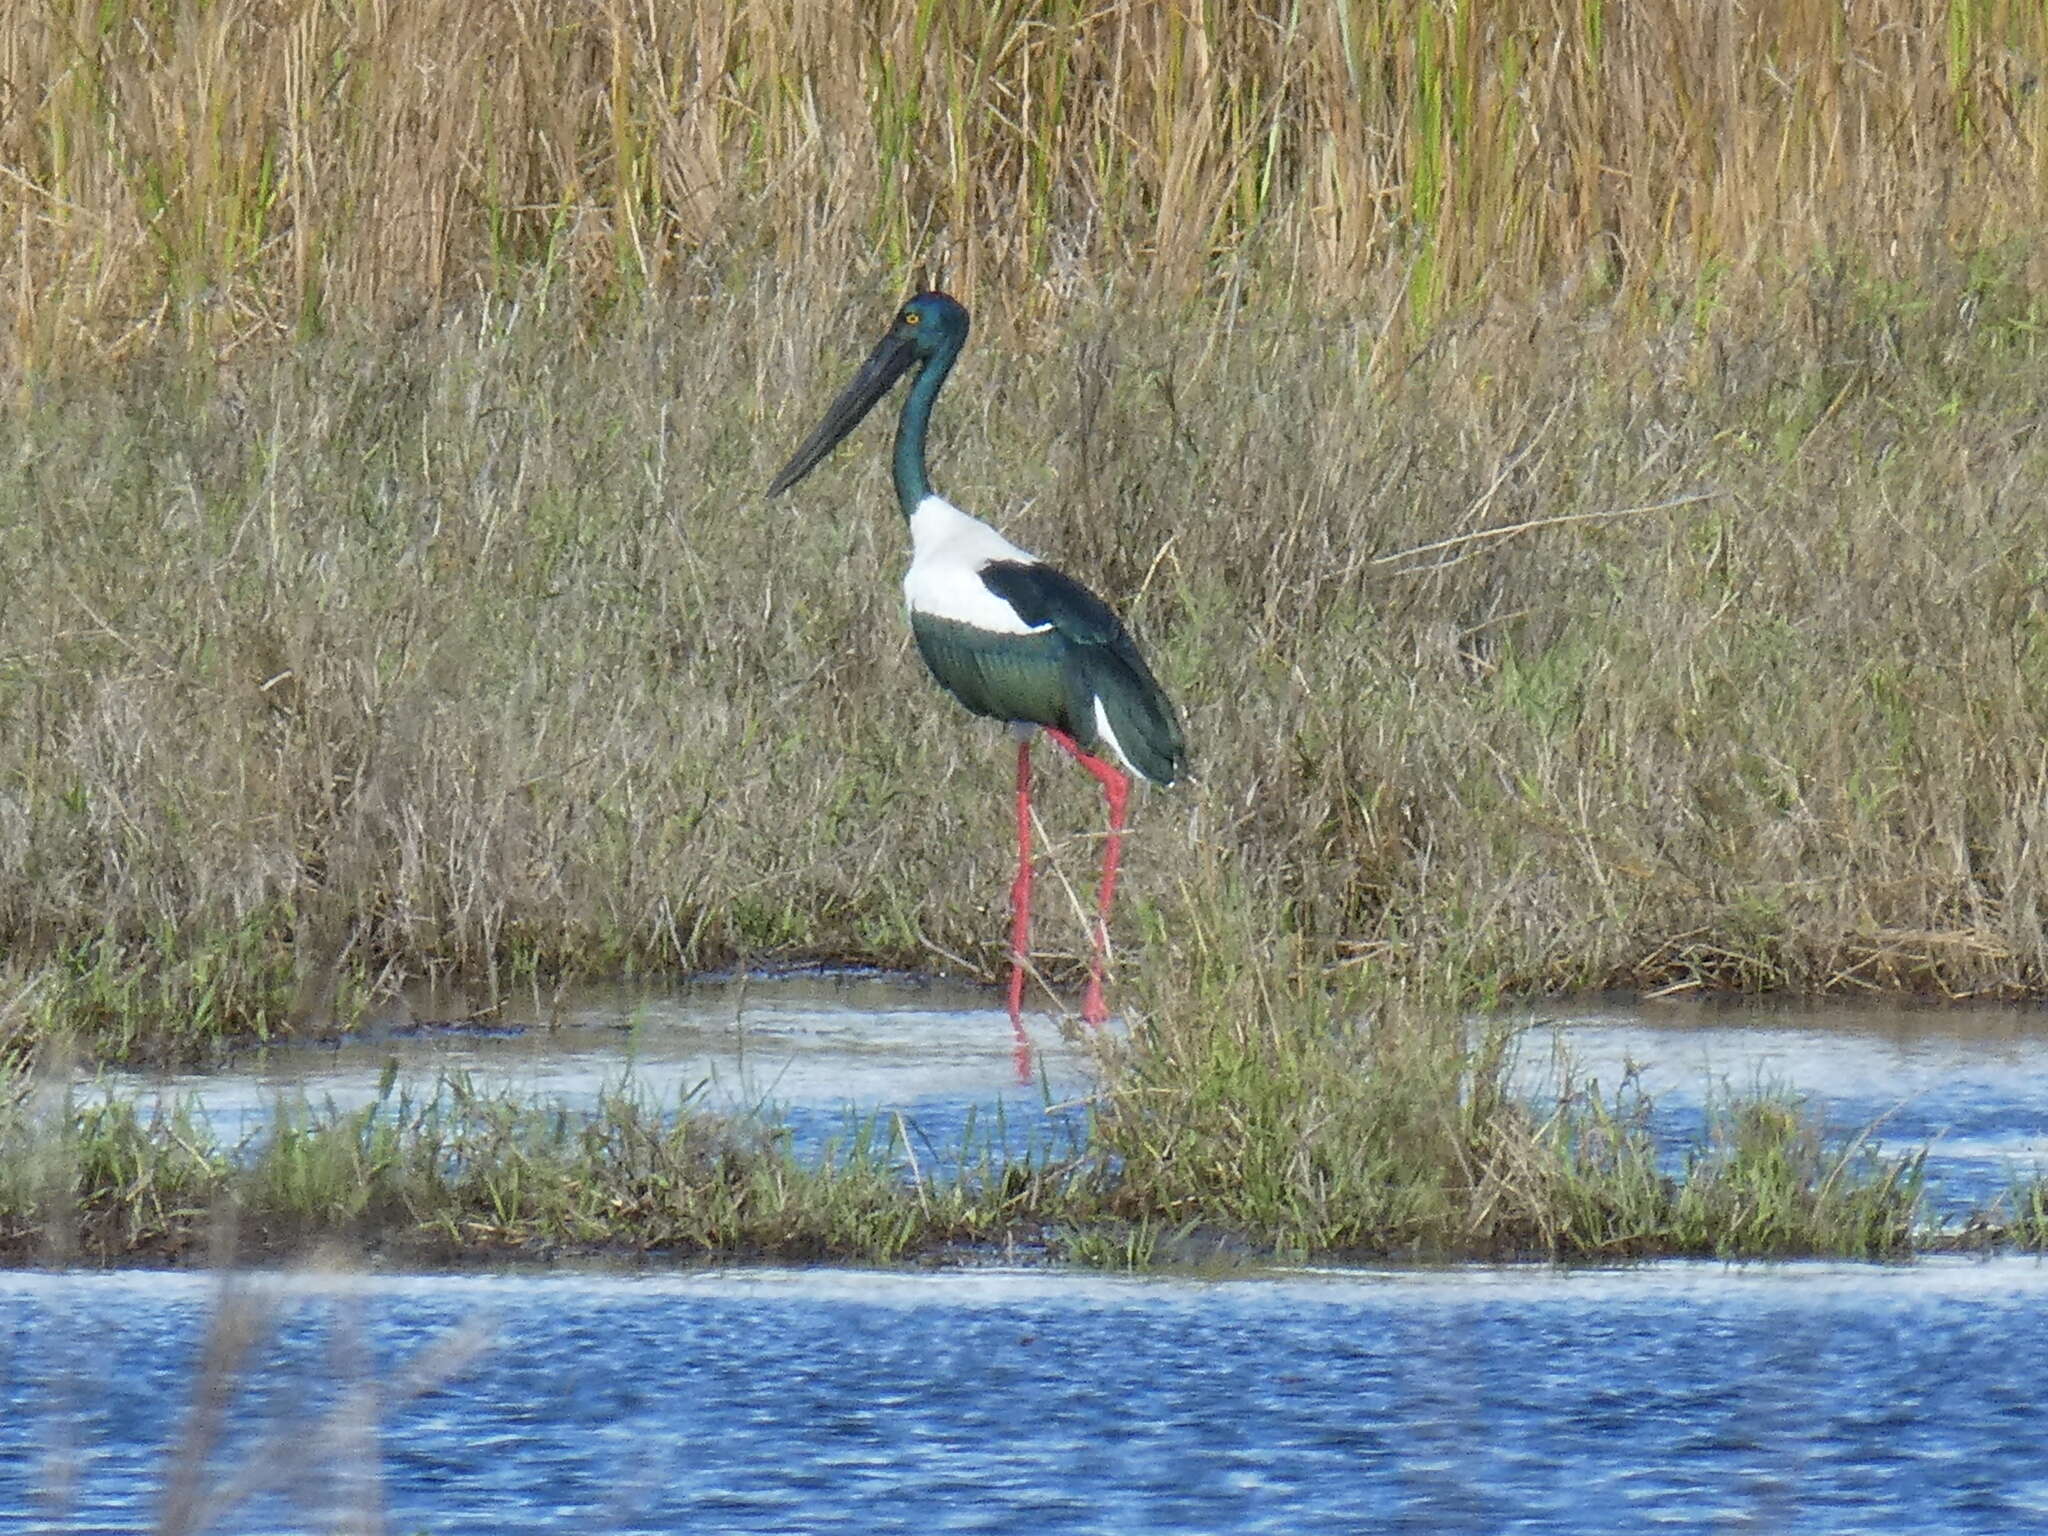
point(822, 1053)
point(1674, 1397)
point(1671, 1397)
point(1968, 1083)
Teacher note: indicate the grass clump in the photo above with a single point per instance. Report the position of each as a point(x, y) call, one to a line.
point(1323, 1122)
point(2019, 1219)
point(1763, 1182)
point(1768, 1184)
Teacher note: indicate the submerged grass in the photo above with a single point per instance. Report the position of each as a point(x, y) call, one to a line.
point(1319, 1123)
point(499, 1179)
point(451, 1174)
point(1251, 1118)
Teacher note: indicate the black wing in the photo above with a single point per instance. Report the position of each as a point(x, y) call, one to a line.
point(1042, 595)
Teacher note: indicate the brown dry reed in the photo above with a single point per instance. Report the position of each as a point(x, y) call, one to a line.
point(235, 171)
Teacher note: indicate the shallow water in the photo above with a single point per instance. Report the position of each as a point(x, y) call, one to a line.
point(813, 1051)
point(816, 1051)
point(1970, 1084)
point(1674, 1397)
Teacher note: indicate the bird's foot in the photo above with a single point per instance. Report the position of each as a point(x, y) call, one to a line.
point(1094, 1011)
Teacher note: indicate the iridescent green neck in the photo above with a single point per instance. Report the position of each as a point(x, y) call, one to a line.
point(912, 483)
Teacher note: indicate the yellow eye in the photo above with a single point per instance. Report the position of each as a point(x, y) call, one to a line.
point(910, 317)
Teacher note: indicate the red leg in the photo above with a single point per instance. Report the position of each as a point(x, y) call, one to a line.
point(1020, 911)
point(1116, 789)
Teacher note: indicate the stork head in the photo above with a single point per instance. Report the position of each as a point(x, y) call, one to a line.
point(931, 325)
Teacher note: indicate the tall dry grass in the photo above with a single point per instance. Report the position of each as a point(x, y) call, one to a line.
point(1577, 654)
point(252, 168)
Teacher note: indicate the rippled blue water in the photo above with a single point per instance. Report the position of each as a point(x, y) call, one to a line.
point(1675, 1398)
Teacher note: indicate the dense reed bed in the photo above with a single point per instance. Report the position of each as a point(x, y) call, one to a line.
point(242, 170)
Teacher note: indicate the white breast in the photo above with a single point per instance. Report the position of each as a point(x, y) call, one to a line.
point(947, 551)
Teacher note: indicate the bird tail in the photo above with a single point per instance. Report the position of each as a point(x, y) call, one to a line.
point(1117, 704)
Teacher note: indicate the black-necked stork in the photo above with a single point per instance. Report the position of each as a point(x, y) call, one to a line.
point(1003, 632)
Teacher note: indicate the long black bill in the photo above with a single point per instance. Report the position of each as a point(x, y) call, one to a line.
point(885, 365)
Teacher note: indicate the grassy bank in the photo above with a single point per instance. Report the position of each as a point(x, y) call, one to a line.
point(1580, 469)
point(1582, 655)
